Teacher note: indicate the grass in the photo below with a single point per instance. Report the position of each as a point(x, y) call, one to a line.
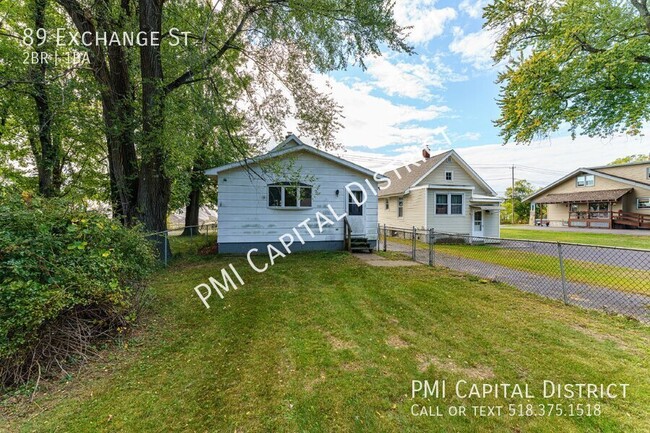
point(547, 234)
point(322, 342)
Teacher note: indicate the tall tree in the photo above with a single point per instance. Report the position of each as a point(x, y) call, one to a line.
point(582, 63)
point(523, 189)
point(631, 158)
point(268, 48)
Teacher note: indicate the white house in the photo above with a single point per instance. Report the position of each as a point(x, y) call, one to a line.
point(294, 197)
point(441, 192)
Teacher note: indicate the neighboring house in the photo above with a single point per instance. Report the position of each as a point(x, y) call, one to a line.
point(440, 192)
point(287, 196)
point(608, 196)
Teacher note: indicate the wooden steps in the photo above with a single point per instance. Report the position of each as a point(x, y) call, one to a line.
point(360, 245)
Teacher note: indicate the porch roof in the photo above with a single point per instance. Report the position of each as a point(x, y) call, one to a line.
point(584, 196)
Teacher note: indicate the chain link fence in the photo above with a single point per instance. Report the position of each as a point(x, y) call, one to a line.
point(184, 239)
point(607, 278)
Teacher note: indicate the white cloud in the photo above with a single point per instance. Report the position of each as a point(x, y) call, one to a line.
point(411, 80)
point(474, 48)
point(545, 161)
point(426, 21)
point(473, 8)
point(374, 122)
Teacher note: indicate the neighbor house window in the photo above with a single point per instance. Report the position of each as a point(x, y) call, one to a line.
point(647, 173)
point(573, 207)
point(586, 180)
point(400, 207)
point(643, 203)
point(449, 204)
point(290, 195)
point(386, 204)
point(449, 175)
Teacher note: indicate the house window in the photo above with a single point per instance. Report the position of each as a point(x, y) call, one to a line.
point(456, 204)
point(353, 207)
point(290, 195)
point(573, 207)
point(586, 180)
point(386, 204)
point(643, 203)
point(400, 207)
point(442, 205)
point(449, 175)
point(647, 172)
point(449, 204)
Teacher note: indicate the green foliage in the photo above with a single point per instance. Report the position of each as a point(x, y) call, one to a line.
point(641, 157)
point(59, 260)
point(522, 209)
point(581, 63)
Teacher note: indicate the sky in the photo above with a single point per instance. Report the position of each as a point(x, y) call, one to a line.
point(445, 97)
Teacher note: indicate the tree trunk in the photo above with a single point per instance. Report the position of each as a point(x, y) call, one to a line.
point(47, 156)
point(155, 186)
point(192, 212)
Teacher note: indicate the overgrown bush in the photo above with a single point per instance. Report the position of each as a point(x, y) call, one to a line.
point(68, 279)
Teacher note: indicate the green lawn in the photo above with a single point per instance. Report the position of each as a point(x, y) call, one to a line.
point(547, 234)
point(322, 342)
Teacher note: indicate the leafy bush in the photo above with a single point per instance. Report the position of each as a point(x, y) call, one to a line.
point(68, 277)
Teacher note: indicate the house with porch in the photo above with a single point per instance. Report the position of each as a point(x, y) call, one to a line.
point(610, 196)
point(441, 192)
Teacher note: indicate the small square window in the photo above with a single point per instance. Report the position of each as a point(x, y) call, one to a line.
point(449, 175)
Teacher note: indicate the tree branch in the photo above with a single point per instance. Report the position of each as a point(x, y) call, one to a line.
point(189, 75)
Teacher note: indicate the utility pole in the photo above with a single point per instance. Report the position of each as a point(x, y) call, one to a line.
point(512, 195)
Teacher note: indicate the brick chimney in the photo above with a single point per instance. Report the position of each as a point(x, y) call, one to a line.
point(426, 154)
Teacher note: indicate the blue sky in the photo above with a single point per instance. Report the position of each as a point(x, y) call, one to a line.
point(444, 97)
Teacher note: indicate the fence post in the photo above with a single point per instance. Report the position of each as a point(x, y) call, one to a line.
point(559, 253)
point(384, 237)
point(431, 253)
point(378, 236)
point(413, 236)
point(165, 242)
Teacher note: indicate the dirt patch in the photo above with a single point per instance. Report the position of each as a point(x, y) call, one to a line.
point(351, 366)
point(309, 386)
point(479, 372)
point(396, 342)
point(602, 337)
point(338, 344)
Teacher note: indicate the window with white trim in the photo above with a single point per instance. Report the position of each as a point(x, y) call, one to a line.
point(290, 195)
point(355, 197)
point(643, 203)
point(449, 204)
point(449, 175)
point(586, 180)
point(400, 207)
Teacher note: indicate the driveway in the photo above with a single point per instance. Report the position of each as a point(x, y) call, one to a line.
point(584, 295)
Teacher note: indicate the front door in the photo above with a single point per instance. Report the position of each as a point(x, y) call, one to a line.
point(356, 213)
point(477, 223)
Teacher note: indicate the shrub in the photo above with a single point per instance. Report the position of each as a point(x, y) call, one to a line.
point(68, 278)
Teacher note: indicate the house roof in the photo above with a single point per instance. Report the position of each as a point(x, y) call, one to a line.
point(410, 175)
point(290, 145)
point(623, 180)
point(584, 196)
